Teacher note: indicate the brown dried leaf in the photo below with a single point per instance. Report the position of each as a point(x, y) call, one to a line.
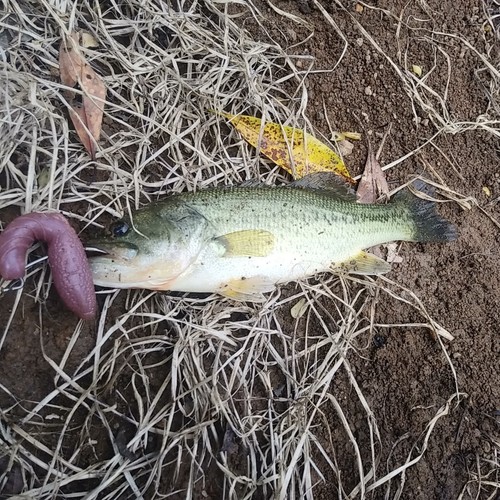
point(74, 69)
point(345, 147)
point(373, 183)
point(70, 62)
point(392, 254)
point(79, 119)
point(93, 100)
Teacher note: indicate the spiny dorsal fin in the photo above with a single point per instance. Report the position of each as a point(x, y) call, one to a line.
point(327, 183)
point(251, 183)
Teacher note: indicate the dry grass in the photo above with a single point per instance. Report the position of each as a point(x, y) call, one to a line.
point(185, 392)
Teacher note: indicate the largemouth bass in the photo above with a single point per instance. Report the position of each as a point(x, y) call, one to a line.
point(242, 241)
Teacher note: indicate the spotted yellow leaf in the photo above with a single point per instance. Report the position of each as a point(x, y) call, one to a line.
point(297, 152)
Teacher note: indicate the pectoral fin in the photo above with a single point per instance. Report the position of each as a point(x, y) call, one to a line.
point(248, 243)
point(363, 263)
point(247, 289)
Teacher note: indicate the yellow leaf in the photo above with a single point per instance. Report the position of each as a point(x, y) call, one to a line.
point(299, 309)
point(354, 136)
point(417, 70)
point(297, 152)
point(486, 191)
point(88, 40)
point(342, 136)
point(43, 178)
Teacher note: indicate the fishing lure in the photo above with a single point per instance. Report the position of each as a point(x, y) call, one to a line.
point(66, 254)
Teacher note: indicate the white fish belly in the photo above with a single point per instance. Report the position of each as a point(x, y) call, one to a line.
point(210, 273)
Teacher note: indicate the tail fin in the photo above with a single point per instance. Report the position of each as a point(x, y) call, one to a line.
point(428, 225)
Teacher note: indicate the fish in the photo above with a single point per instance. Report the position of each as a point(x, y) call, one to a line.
point(242, 242)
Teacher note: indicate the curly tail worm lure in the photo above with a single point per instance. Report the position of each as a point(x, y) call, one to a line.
point(70, 269)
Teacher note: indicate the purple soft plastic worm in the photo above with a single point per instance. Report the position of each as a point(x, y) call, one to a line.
point(70, 269)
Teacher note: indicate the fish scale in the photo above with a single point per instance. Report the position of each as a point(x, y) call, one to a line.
point(243, 241)
point(285, 209)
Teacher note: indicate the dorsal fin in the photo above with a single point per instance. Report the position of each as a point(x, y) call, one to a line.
point(251, 183)
point(328, 183)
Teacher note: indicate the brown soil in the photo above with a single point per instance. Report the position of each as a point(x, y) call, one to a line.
point(403, 372)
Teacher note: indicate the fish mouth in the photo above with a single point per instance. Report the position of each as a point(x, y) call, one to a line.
point(122, 266)
point(104, 251)
point(113, 264)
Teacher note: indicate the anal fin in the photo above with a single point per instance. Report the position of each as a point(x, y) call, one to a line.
point(363, 263)
point(247, 289)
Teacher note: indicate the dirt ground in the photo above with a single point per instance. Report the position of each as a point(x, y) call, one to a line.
point(404, 372)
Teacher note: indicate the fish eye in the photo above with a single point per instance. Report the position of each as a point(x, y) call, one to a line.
point(119, 228)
